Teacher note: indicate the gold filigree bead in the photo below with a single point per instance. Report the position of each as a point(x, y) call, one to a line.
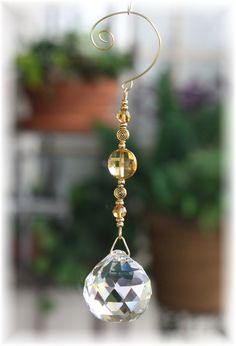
point(120, 193)
point(123, 116)
point(122, 163)
point(119, 211)
point(122, 134)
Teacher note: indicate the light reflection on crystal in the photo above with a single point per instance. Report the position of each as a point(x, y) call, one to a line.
point(117, 289)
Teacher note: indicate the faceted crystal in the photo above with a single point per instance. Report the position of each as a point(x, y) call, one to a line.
point(122, 163)
point(119, 211)
point(123, 116)
point(117, 289)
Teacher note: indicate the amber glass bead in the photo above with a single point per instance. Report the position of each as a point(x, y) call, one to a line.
point(123, 116)
point(122, 163)
point(119, 211)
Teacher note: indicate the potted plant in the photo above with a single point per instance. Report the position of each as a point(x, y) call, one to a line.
point(68, 85)
point(184, 216)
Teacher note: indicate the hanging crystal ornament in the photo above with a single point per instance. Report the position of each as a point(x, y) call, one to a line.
point(118, 289)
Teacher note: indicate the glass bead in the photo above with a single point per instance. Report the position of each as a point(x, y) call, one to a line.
point(123, 116)
point(119, 211)
point(118, 289)
point(122, 163)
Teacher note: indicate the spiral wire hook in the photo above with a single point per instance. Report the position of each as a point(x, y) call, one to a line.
point(110, 40)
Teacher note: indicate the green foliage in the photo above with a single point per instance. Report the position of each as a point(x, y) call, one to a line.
point(185, 177)
point(30, 69)
point(45, 305)
point(69, 249)
point(190, 188)
point(58, 259)
point(65, 57)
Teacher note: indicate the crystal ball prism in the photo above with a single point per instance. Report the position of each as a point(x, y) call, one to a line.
point(118, 289)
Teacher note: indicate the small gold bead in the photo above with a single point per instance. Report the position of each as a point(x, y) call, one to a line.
point(124, 105)
point(120, 201)
point(120, 192)
point(122, 134)
point(119, 211)
point(122, 145)
point(123, 116)
point(120, 219)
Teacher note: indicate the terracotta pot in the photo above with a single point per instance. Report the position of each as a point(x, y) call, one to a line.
point(186, 265)
point(72, 105)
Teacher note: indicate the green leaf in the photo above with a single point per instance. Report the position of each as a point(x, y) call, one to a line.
point(42, 264)
point(209, 219)
point(30, 69)
point(189, 206)
point(45, 305)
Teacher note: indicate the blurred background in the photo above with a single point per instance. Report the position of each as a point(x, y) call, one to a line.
point(63, 96)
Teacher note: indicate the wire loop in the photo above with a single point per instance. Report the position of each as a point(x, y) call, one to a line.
point(124, 242)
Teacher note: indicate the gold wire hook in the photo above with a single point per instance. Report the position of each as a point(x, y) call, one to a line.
point(127, 84)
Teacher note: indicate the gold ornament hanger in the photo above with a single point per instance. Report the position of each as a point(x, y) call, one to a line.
point(122, 162)
point(118, 288)
point(127, 84)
